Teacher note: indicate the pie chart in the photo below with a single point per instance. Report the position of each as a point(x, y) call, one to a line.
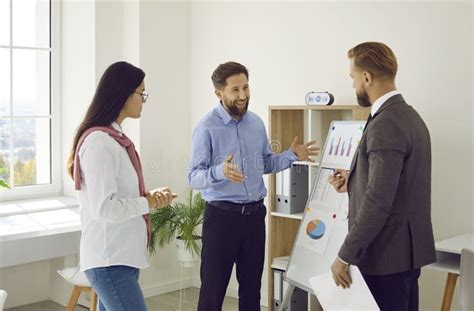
point(315, 229)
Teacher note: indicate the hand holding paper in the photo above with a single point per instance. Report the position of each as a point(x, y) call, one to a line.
point(341, 274)
point(332, 297)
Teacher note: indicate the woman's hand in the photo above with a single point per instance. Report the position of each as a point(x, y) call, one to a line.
point(162, 197)
point(151, 201)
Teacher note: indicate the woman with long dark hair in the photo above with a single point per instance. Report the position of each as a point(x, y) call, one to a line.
point(114, 203)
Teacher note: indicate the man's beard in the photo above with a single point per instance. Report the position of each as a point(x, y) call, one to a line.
point(363, 99)
point(234, 110)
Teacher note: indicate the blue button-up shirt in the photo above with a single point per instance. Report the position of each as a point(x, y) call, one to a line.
point(215, 137)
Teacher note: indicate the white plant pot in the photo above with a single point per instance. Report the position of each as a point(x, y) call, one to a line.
point(184, 256)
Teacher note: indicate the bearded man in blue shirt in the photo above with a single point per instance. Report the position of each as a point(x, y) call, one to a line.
point(230, 154)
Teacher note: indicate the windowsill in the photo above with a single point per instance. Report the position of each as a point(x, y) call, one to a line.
point(17, 207)
point(38, 229)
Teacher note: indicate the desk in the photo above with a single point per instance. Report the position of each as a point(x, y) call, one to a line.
point(448, 254)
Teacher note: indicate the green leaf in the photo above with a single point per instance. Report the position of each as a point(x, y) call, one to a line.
point(4, 184)
point(178, 220)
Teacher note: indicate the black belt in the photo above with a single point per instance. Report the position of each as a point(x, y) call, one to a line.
point(242, 208)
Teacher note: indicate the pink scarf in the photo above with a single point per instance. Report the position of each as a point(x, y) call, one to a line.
point(124, 141)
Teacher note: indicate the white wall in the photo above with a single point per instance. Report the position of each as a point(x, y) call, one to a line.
point(292, 48)
point(165, 122)
point(93, 36)
point(25, 285)
point(78, 72)
point(472, 110)
point(117, 39)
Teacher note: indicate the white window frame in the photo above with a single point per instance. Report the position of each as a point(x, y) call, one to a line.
point(55, 187)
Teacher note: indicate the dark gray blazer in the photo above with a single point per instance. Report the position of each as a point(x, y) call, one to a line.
point(389, 189)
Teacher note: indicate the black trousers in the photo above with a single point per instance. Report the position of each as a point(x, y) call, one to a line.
point(230, 237)
point(397, 292)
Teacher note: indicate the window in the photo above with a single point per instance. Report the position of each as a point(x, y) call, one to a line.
point(29, 67)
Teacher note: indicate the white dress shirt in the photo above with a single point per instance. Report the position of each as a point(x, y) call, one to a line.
point(113, 229)
point(381, 100)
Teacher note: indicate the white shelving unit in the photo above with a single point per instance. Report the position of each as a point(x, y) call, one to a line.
point(306, 163)
point(292, 216)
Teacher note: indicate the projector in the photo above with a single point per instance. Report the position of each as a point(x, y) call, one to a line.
point(319, 98)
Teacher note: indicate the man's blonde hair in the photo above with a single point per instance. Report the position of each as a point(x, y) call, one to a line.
point(376, 58)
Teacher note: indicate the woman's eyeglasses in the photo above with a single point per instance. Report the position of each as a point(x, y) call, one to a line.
point(144, 96)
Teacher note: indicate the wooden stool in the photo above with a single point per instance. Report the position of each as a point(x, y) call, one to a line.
point(449, 291)
point(81, 284)
point(76, 292)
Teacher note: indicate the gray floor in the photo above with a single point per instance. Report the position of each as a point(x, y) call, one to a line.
point(165, 302)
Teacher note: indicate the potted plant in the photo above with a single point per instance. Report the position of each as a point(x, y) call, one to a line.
point(179, 220)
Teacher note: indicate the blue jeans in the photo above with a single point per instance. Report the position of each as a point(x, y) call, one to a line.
point(117, 288)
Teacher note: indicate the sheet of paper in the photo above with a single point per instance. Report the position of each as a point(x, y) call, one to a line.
point(331, 297)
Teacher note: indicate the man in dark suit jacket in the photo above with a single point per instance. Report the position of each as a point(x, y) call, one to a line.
point(389, 185)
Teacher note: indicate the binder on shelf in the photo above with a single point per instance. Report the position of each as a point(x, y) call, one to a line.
point(279, 184)
point(286, 182)
point(277, 288)
point(292, 189)
point(299, 298)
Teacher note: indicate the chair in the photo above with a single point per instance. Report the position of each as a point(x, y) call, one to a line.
point(467, 279)
point(3, 297)
point(81, 284)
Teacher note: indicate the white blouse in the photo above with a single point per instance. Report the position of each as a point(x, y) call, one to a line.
point(113, 229)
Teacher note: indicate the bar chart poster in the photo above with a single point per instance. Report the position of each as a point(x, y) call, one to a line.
point(341, 145)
